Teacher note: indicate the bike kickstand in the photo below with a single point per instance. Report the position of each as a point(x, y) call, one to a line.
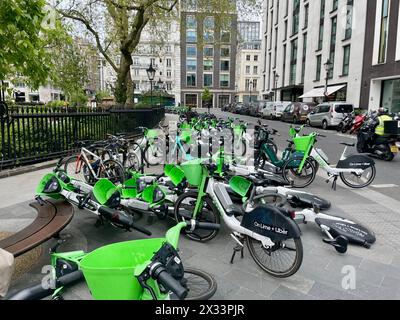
point(237, 248)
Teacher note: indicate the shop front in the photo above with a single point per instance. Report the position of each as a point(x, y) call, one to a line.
point(390, 97)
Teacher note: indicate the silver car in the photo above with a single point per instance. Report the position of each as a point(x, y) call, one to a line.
point(329, 114)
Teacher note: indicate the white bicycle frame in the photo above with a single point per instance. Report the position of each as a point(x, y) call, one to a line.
point(330, 170)
point(231, 221)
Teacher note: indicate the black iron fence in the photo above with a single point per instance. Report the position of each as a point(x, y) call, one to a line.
point(34, 134)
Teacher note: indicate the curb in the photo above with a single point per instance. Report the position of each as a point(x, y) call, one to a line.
point(26, 169)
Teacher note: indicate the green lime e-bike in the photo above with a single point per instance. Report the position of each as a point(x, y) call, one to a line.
point(147, 269)
point(272, 236)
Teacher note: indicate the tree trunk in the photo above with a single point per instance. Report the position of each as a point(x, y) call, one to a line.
point(123, 80)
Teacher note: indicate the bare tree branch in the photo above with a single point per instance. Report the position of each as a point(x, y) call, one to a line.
point(74, 15)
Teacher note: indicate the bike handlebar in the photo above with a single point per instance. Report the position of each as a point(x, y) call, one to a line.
point(162, 276)
point(121, 218)
point(193, 224)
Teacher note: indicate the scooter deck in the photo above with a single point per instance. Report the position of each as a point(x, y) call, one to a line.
point(355, 233)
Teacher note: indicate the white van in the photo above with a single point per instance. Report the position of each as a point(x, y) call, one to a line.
point(268, 110)
point(280, 107)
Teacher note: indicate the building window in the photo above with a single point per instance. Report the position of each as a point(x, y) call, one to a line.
point(136, 72)
point(191, 51)
point(269, 71)
point(153, 61)
point(191, 100)
point(247, 69)
point(168, 73)
point(191, 22)
point(284, 66)
point(191, 65)
point(321, 25)
point(208, 51)
point(208, 36)
point(168, 49)
point(225, 52)
point(255, 84)
point(169, 63)
point(335, 5)
point(209, 23)
point(384, 32)
point(319, 66)
point(224, 80)
point(296, 11)
point(247, 85)
point(191, 79)
point(287, 8)
point(225, 36)
point(349, 20)
point(306, 13)
point(225, 65)
point(285, 31)
point(346, 60)
point(169, 86)
point(135, 61)
point(256, 58)
point(255, 70)
point(208, 80)
point(293, 62)
point(208, 65)
point(276, 47)
point(332, 46)
point(191, 36)
point(303, 61)
point(248, 58)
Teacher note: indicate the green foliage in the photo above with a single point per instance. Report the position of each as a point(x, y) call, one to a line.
point(23, 44)
point(206, 96)
point(56, 104)
point(102, 95)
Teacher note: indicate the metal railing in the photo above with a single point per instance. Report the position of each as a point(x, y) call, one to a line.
point(34, 134)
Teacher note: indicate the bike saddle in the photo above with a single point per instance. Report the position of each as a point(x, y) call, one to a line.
point(348, 144)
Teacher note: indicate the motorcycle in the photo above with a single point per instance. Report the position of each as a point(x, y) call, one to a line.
point(383, 147)
point(357, 123)
point(346, 124)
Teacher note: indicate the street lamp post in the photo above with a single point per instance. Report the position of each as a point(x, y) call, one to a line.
point(276, 86)
point(328, 66)
point(151, 72)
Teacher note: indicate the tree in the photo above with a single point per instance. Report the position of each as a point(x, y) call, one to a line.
point(125, 21)
point(23, 40)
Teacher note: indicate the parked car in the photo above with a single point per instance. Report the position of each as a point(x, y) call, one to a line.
point(297, 112)
point(245, 109)
point(267, 110)
point(329, 114)
point(225, 107)
point(254, 109)
point(276, 111)
point(237, 107)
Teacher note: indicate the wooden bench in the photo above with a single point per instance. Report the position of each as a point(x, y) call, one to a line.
point(52, 217)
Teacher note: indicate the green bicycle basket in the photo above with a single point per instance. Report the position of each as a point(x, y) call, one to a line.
point(303, 143)
point(109, 270)
point(152, 134)
point(175, 173)
point(240, 185)
point(129, 190)
point(186, 135)
point(193, 171)
point(103, 190)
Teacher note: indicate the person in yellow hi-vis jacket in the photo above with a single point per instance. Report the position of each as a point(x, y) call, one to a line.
point(383, 115)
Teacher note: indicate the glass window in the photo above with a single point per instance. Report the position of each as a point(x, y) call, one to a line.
point(391, 95)
point(332, 46)
point(335, 5)
point(208, 80)
point(319, 66)
point(208, 36)
point(247, 69)
point(248, 57)
point(293, 62)
point(208, 65)
point(169, 63)
point(384, 31)
point(303, 62)
point(191, 36)
point(256, 58)
point(224, 80)
point(225, 52)
point(346, 60)
point(191, 65)
point(296, 11)
point(209, 23)
point(191, 22)
point(191, 51)
point(306, 13)
point(191, 100)
point(169, 74)
point(225, 65)
point(255, 70)
point(225, 36)
point(191, 79)
point(208, 51)
point(349, 20)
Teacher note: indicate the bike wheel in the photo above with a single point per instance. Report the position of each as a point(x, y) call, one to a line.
point(112, 170)
point(273, 260)
point(132, 161)
point(356, 181)
point(298, 179)
point(201, 285)
point(76, 169)
point(154, 153)
point(183, 211)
